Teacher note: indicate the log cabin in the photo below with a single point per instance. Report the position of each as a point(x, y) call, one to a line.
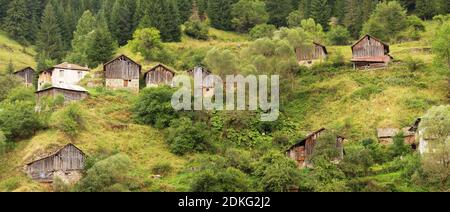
point(65, 163)
point(159, 75)
point(64, 73)
point(26, 75)
point(71, 93)
point(309, 56)
point(122, 73)
point(303, 150)
point(370, 52)
point(203, 73)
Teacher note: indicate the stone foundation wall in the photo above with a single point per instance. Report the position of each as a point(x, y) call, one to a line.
point(118, 84)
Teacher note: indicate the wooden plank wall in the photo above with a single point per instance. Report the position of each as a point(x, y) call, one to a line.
point(310, 54)
point(27, 75)
point(368, 48)
point(122, 68)
point(159, 76)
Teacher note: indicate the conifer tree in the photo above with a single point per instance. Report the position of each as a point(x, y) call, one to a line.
point(184, 9)
point(425, 9)
point(278, 11)
point(321, 12)
point(164, 17)
point(85, 27)
point(49, 42)
point(121, 24)
point(17, 21)
point(101, 46)
point(219, 12)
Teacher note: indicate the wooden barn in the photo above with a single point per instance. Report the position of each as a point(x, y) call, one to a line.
point(302, 151)
point(65, 163)
point(370, 52)
point(308, 56)
point(64, 73)
point(27, 75)
point(159, 75)
point(208, 85)
point(122, 73)
point(386, 135)
point(70, 93)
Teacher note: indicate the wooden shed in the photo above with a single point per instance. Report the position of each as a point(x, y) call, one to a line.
point(308, 56)
point(122, 73)
point(159, 75)
point(27, 75)
point(65, 163)
point(370, 52)
point(208, 84)
point(303, 150)
point(70, 93)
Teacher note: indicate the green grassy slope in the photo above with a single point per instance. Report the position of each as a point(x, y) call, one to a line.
point(20, 56)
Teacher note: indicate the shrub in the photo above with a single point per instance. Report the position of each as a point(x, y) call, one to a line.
point(162, 168)
point(276, 173)
point(184, 137)
point(262, 31)
point(3, 144)
point(338, 35)
point(148, 43)
point(18, 120)
point(110, 174)
point(414, 64)
point(337, 59)
point(247, 14)
point(69, 120)
point(197, 30)
point(221, 180)
point(154, 107)
point(21, 94)
point(399, 148)
point(367, 92)
point(60, 186)
point(7, 83)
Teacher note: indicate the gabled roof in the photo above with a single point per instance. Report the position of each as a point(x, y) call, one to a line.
point(203, 69)
point(55, 153)
point(122, 55)
point(302, 142)
point(159, 65)
point(372, 37)
point(324, 47)
point(25, 69)
point(70, 66)
point(68, 87)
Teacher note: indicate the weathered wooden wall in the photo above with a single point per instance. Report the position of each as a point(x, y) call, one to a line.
point(67, 159)
point(122, 68)
point(27, 75)
point(369, 47)
point(69, 96)
point(315, 53)
point(159, 76)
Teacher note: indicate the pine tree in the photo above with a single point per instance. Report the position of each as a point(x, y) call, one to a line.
point(121, 24)
point(339, 11)
point(101, 47)
point(278, 11)
point(164, 17)
point(85, 27)
point(49, 42)
point(305, 8)
point(10, 68)
point(353, 18)
point(184, 9)
point(425, 9)
point(219, 12)
point(321, 12)
point(17, 21)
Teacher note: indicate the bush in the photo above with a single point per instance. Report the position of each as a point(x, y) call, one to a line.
point(3, 144)
point(338, 35)
point(414, 64)
point(7, 83)
point(148, 43)
point(399, 148)
point(110, 174)
point(276, 173)
point(154, 107)
point(262, 31)
point(221, 180)
point(21, 94)
point(69, 120)
point(337, 59)
point(162, 168)
point(367, 92)
point(197, 30)
point(18, 120)
point(184, 137)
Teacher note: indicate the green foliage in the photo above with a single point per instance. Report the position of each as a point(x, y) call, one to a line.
point(153, 107)
point(441, 46)
point(278, 11)
point(121, 19)
point(321, 12)
point(221, 62)
point(156, 15)
point(219, 13)
point(3, 144)
point(196, 29)
point(101, 47)
point(18, 120)
point(221, 180)
point(21, 94)
point(81, 37)
point(313, 29)
point(247, 14)
point(367, 92)
point(162, 168)
point(338, 35)
point(425, 9)
point(185, 136)
point(399, 148)
point(16, 22)
point(262, 31)
point(7, 83)
point(110, 174)
point(148, 43)
point(185, 9)
point(276, 173)
point(388, 20)
point(49, 39)
point(69, 120)
point(294, 19)
point(414, 64)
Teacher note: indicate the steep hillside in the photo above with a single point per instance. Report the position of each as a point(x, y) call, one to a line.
point(10, 50)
